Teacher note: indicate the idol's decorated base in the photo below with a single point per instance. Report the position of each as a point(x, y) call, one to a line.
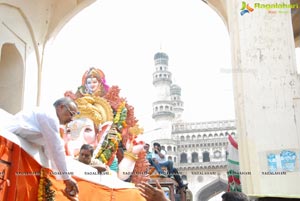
point(21, 164)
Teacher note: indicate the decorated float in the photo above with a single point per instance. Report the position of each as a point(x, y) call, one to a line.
point(106, 122)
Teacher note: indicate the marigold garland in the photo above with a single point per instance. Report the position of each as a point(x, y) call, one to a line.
point(45, 193)
point(111, 142)
point(121, 115)
point(109, 147)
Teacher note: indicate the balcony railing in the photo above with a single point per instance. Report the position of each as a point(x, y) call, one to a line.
point(204, 126)
point(202, 165)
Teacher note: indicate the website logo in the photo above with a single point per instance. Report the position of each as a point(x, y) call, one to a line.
point(271, 8)
point(245, 8)
point(278, 8)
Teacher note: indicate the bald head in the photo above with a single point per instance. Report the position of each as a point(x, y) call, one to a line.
point(66, 109)
point(64, 101)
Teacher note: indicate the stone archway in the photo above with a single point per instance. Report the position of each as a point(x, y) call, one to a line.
point(278, 80)
point(210, 190)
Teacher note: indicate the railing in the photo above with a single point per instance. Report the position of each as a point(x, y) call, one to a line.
point(202, 165)
point(201, 141)
point(204, 126)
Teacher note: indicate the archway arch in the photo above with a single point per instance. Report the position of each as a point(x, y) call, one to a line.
point(183, 158)
point(111, 55)
point(205, 156)
point(210, 190)
point(195, 158)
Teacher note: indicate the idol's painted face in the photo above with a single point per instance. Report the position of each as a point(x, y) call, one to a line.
point(83, 129)
point(92, 84)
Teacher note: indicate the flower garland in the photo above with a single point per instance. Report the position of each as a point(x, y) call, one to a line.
point(121, 115)
point(111, 142)
point(109, 147)
point(45, 193)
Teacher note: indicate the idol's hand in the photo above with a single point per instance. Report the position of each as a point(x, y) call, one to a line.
point(134, 147)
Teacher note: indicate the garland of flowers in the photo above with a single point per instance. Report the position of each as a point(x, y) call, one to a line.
point(109, 147)
point(111, 142)
point(45, 193)
point(121, 115)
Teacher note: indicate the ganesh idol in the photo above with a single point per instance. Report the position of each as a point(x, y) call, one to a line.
point(107, 122)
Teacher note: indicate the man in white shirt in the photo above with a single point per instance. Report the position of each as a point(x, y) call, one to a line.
point(41, 127)
point(160, 160)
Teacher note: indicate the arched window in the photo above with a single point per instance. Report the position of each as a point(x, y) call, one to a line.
point(182, 138)
point(188, 137)
point(163, 148)
point(169, 148)
point(169, 158)
point(183, 158)
point(205, 156)
point(195, 158)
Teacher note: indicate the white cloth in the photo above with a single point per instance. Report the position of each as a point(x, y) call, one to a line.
point(158, 158)
point(75, 168)
point(86, 172)
point(41, 127)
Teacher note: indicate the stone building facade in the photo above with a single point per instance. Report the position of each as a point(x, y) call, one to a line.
point(266, 82)
point(197, 149)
